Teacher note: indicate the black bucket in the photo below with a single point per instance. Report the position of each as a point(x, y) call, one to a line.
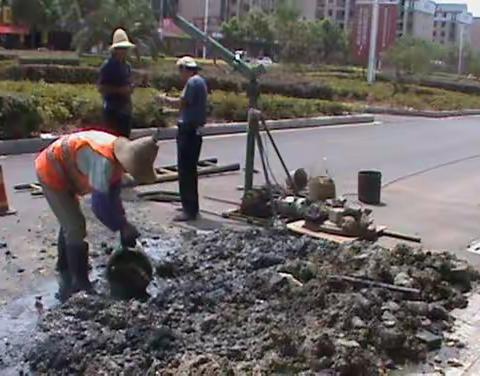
point(369, 187)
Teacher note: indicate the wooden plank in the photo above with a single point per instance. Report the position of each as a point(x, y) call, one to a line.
point(298, 228)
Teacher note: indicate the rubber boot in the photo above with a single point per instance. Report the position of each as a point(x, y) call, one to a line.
point(64, 277)
point(77, 256)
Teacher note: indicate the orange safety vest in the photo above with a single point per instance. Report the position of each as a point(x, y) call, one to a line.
point(57, 165)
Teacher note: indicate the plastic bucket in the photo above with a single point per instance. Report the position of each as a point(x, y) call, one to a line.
point(369, 187)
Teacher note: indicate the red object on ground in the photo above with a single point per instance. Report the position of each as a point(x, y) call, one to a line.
point(387, 28)
point(14, 29)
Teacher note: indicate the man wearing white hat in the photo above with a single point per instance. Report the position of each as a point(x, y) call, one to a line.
point(116, 87)
point(193, 116)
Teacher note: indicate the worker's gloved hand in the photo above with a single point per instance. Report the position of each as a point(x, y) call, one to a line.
point(129, 235)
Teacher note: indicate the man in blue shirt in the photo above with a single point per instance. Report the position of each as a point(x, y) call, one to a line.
point(193, 116)
point(116, 87)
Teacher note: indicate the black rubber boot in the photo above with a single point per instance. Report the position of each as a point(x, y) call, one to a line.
point(78, 266)
point(64, 276)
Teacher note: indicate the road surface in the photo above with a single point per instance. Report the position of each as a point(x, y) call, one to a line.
point(430, 169)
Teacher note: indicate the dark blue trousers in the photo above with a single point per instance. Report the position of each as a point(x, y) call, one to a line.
point(189, 145)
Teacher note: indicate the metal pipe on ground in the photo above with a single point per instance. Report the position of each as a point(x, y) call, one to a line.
point(202, 172)
point(202, 163)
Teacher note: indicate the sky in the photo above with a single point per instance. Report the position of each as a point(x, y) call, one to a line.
point(473, 5)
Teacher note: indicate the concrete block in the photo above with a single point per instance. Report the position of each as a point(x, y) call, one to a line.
point(432, 341)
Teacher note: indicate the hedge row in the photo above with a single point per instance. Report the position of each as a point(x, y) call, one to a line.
point(166, 81)
point(48, 60)
point(27, 108)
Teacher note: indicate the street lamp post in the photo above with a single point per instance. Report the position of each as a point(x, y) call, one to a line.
point(205, 25)
point(460, 48)
point(372, 58)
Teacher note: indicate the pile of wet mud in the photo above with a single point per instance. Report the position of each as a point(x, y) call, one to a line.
point(231, 302)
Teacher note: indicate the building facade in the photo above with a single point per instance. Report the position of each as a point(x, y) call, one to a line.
point(451, 24)
point(416, 18)
point(475, 34)
point(387, 28)
point(340, 11)
point(220, 11)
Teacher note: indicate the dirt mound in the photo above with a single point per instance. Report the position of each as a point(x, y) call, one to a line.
point(235, 302)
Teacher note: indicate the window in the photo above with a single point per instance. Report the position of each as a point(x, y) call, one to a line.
point(434, 33)
point(444, 24)
point(442, 34)
point(434, 23)
point(445, 15)
point(330, 13)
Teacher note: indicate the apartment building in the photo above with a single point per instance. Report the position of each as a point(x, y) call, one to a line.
point(339, 11)
point(220, 11)
point(475, 34)
point(451, 23)
point(240, 7)
point(416, 18)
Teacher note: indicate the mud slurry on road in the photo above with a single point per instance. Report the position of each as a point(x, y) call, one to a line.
point(261, 302)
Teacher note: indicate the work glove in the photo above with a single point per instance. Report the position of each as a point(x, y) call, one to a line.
point(129, 235)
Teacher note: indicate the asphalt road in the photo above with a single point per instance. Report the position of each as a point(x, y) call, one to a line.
point(430, 168)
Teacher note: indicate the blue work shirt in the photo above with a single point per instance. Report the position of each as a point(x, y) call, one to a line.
point(116, 73)
point(195, 95)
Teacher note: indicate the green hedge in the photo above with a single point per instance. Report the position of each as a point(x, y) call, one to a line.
point(167, 81)
point(49, 60)
point(50, 107)
point(328, 83)
point(19, 117)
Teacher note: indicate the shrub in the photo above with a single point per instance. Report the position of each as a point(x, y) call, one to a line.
point(234, 107)
point(49, 60)
point(19, 117)
point(49, 107)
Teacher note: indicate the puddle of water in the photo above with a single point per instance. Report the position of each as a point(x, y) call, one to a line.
point(18, 320)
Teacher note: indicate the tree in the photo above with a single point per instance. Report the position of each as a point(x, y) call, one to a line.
point(411, 56)
point(94, 21)
point(290, 33)
point(258, 27)
point(334, 39)
point(233, 31)
point(298, 44)
point(39, 15)
point(474, 65)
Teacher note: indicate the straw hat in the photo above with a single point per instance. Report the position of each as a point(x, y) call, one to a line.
point(187, 62)
point(137, 158)
point(120, 40)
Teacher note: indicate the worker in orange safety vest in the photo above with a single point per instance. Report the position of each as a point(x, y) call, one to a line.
point(90, 162)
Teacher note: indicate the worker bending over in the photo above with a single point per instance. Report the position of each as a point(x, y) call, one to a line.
point(193, 116)
point(90, 162)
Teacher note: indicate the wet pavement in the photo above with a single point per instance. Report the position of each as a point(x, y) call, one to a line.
point(440, 204)
point(259, 301)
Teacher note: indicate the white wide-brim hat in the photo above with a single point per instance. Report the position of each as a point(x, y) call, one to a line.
point(120, 40)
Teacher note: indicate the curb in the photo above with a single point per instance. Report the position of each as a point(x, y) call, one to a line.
point(34, 145)
point(421, 113)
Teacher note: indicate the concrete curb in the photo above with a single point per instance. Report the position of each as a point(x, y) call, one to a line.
point(421, 113)
point(34, 145)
